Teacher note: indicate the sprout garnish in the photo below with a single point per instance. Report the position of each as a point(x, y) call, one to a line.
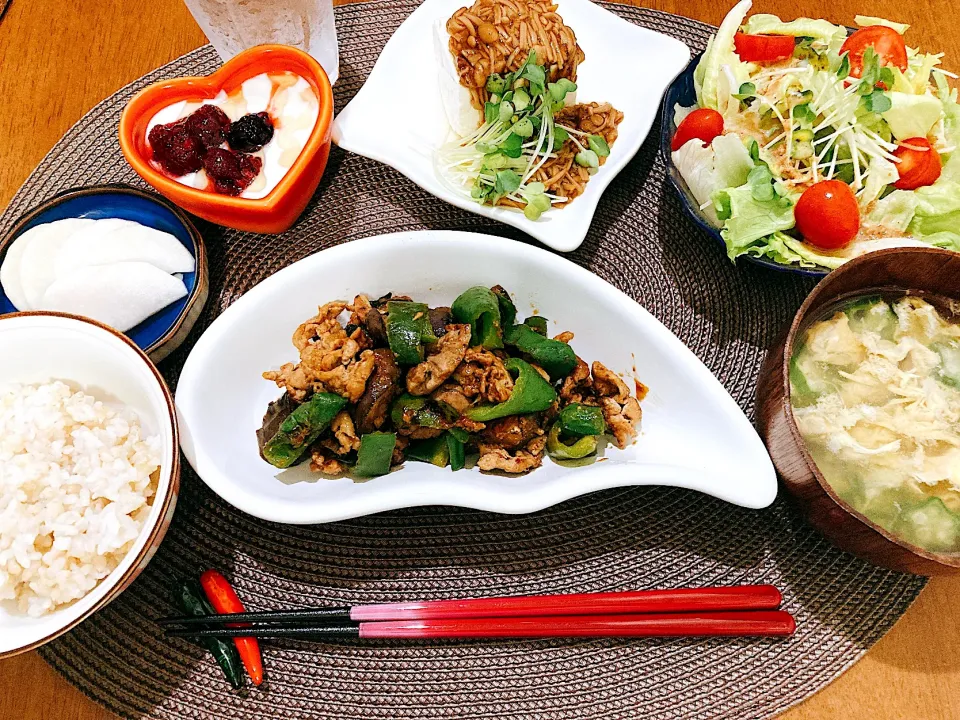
point(519, 135)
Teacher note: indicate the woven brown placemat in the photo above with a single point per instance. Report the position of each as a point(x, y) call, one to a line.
point(618, 539)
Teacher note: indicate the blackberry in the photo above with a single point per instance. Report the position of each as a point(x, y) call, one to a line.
point(251, 132)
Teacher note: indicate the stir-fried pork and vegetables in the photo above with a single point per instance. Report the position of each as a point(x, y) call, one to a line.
point(404, 381)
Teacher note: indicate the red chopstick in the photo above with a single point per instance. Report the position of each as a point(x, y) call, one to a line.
point(713, 599)
point(772, 623)
point(701, 624)
point(748, 597)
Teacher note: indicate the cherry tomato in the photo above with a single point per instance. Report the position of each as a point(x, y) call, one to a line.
point(886, 42)
point(827, 214)
point(763, 48)
point(919, 164)
point(703, 123)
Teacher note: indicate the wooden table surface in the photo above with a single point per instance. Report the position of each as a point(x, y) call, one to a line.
point(60, 57)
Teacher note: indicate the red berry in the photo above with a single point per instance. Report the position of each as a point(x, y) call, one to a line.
point(231, 172)
point(209, 124)
point(176, 149)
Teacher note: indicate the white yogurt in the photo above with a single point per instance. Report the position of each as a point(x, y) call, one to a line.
point(293, 107)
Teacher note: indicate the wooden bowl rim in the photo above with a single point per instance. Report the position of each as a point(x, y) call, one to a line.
point(825, 288)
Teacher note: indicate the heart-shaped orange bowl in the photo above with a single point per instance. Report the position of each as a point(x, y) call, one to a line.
point(280, 208)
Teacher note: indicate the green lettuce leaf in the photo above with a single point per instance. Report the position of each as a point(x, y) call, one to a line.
point(786, 250)
point(826, 32)
point(945, 239)
point(895, 211)
point(747, 220)
point(938, 212)
point(695, 163)
point(709, 79)
point(918, 71)
point(723, 164)
point(868, 21)
point(882, 173)
point(732, 160)
point(809, 257)
point(951, 131)
point(813, 257)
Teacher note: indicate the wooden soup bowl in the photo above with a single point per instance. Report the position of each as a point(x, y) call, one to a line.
point(927, 271)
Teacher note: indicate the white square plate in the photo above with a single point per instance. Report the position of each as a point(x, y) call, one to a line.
point(398, 119)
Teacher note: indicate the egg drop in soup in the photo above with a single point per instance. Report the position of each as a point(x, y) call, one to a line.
point(875, 391)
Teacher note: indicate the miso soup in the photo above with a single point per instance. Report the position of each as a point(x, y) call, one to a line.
point(875, 391)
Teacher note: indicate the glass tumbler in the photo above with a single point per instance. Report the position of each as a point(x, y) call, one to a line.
point(235, 25)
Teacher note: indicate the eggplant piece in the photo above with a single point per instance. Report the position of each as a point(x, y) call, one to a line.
point(440, 317)
point(278, 411)
point(513, 431)
point(376, 328)
point(382, 387)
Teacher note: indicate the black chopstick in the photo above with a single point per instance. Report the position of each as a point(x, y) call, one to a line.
point(270, 616)
point(317, 632)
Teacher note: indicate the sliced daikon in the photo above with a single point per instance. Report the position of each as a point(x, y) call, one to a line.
point(121, 295)
point(39, 255)
point(113, 240)
point(10, 272)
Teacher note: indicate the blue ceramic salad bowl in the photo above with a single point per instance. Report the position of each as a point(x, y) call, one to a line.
point(163, 332)
point(682, 92)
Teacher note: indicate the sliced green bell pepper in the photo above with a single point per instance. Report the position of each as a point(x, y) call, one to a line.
point(301, 428)
point(432, 450)
point(558, 449)
point(460, 434)
point(531, 393)
point(538, 323)
point(457, 450)
point(508, 311)
point(480, 308)
point(411, 410)
point(556, 357)
point(443, 450)
point(375, 453)
point(578, 419)
point(408, 328)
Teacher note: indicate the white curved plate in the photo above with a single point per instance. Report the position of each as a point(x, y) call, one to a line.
point(397, 117)
point(693, 434)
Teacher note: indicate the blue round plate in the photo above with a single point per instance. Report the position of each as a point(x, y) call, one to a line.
point(162, 333)
point(682, 92)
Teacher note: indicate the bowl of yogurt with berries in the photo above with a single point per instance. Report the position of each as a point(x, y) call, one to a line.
point(244, 147)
